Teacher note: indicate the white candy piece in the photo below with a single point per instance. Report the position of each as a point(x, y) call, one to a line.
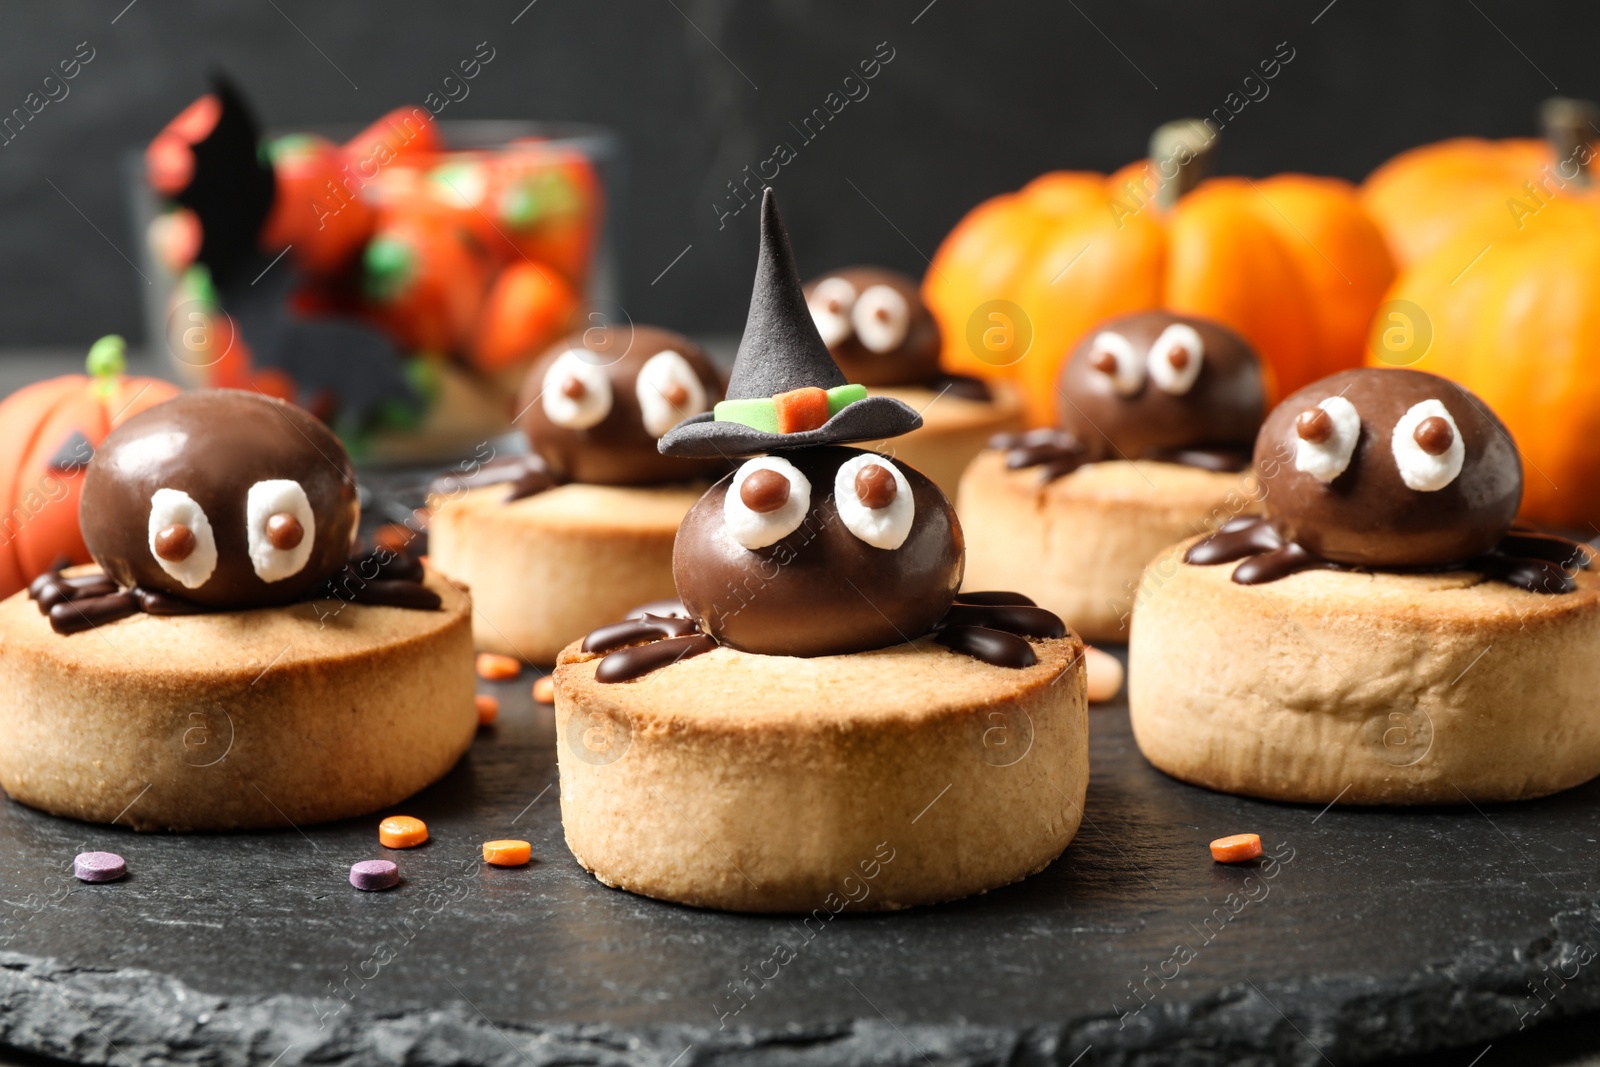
point(833, 322)
point(656, 378)
point(1327, 460)
point(756, 529)
point(885, 527)
point(1419, 470)
point(1128, 378)
point(264, 500)
point(881, 318)
point(586, 410)
point(1168, 378)
point(173, 507)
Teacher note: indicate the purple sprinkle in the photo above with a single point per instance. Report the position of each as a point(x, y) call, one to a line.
point(99, 866)
point(372, 875)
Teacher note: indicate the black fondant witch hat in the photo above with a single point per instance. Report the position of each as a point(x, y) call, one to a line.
point(786, 391)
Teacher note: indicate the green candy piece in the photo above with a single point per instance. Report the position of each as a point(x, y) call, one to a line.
point(840, 395)
point(758, 414)
point(761, 413)
point(389, 264)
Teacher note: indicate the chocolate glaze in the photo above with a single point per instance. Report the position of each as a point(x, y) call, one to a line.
point(821, 590)
point(213, 444)
point(525, 475)
point(914, 361)
point(628, 663)
point(381, 578)
point(994, 647)
point(1055, 452)
point(1368, 516)
point(85, 613)
point(1216, 417)
point(1020, 619)
point(1537, 562)
point(632, 631)
point(617, 450)
point(964, 386)
point(988, 626)
point(996, 596)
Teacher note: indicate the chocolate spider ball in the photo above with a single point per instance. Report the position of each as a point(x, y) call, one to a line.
point(223, 498)
point(1153, 381)
point(1388, 468)
point(595, 403)
point(818, 552)
point(875, 325)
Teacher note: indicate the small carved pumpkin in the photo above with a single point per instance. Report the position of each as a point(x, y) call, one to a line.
point(48, 432)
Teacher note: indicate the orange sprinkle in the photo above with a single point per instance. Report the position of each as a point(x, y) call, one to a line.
point(544, 690)
point(1236, 849)
point(488, 709)
point(402, 831)
point(507, 853)
point(801, 409)
point(496, 668)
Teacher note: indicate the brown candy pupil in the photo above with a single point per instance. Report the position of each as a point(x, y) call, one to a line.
point(881, 314)
point(175, 543)
point(284, 531)
point(573, 389)
point(1178, 358)
point(675, 394)
point(1104, 362)
point(1434, 435)
point(1314, 425)
point(764, 490)
point(875, 486)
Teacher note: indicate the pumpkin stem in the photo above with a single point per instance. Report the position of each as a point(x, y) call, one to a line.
point(108, 358)
point(1182, 152)
point(1571, 127)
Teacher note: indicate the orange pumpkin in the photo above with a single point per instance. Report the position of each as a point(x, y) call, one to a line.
point(1509, 307)
point(48, 431)
point(1421, 197)
point(1291, 262)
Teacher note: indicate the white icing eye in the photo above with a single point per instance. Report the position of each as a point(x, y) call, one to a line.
point(874, 500)
point(669, 391)
point(1325, 438)
point(881, 318)
point(766, 502)
point(279, 528)
point(830, 305)
point(577, 391)
point(1175, 359)
point(1427, 447)
point(181, 539)
point(1112, 359)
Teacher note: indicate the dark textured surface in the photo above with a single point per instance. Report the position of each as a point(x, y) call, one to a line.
point(977, 99)
point(1387, 932)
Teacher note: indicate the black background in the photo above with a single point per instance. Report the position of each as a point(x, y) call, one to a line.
point(979, 98)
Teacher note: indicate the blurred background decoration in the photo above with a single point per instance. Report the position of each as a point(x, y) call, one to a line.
point(883, 126)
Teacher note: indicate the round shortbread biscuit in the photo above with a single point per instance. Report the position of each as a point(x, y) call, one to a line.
point(871, 781)
point(1368, 688)
point(260, 719)
point(1078, 544)
point(549, 568)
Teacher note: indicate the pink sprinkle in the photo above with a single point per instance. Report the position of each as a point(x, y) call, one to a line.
point(99, 867)
point(373, 875)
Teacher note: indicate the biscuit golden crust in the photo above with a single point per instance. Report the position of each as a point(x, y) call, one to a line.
point(1078, 544)
point(234, 720)
point(550, 567)
point(1372, 688)
point(779, 784)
